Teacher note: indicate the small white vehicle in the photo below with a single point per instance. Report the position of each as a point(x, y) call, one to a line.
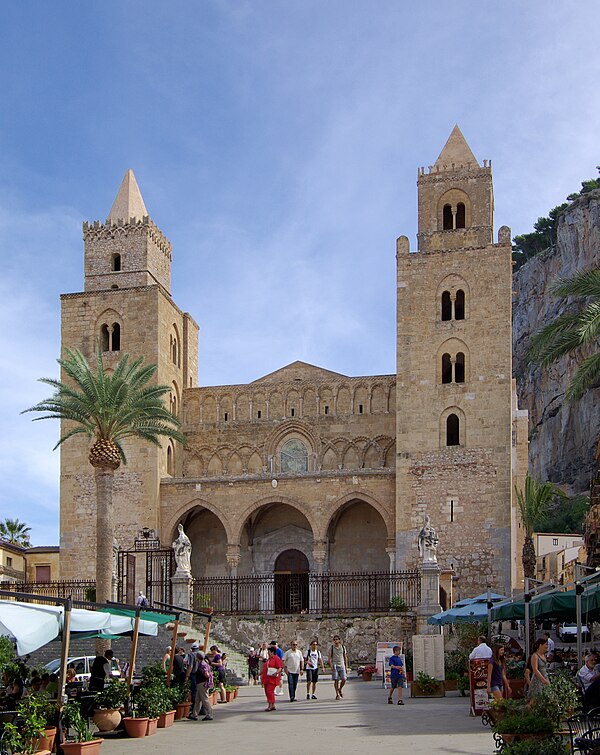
point(568, 633)
point(83, 667)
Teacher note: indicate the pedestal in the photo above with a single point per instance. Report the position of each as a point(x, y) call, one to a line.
point(182, 591)
point(430, 598)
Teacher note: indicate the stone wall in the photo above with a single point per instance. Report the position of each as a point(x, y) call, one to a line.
point(562, 436)
point(360, 634)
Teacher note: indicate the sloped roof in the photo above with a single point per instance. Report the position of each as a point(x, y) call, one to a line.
point(297, 371)
point(456, 150)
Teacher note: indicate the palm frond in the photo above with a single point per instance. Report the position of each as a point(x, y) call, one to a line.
point(556, 339)
point(585, 283)
point(586, 377)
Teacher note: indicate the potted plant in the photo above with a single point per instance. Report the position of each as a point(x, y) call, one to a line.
point(451, 681)
point(559, 700)
point(368, 671)
point(527, 723)
point(398, 604)
point(536, 747)
point(515, 673)
point(427, 686)
point(36, 711)
point(136, 723)
point(151, 703)
point(179, 697)
point(18, 742)
point(84, 741)
point(107, 713)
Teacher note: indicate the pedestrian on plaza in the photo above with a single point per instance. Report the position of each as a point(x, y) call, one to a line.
point(218, 672)
point(483, 651)
point(253, 664)
point(141, 600)
point(166, 659)
point(279, 651)
point(539, 669)
point(204, 681)
point(293, 664)
point(192, 663)
point(271, 674)
point(312, 660)
point(497, 681)
point(179, 668)
point(551, 643)
point(101, 671)
point(263, 657)
point(338, 661)
point(397, 676)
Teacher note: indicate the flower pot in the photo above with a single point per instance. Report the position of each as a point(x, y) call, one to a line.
point(136, 727)
point(367, 676)
point(235, 693)
point(47, 742)
point(181, 634)
point(437, 691)
point(152, 726)
point(107, 719)
point(82, 748)
point(166, 719)
point(213, 698)
point(183, 710)
point(190, 640)
point(229, 695)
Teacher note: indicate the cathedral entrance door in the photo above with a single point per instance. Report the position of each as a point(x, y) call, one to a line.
point(291, 582)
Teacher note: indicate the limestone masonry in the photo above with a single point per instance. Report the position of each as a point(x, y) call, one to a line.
point(306, 469)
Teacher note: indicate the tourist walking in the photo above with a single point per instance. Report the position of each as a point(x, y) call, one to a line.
point(539, 669)
point(218, 672)
point(253, 664)
point(279, 651)
point(397, 676)
point(263, 657)
point(338, 661)
point(293, 664)
point(192, 663)
point(497, 681)
point(271, 674)
point(179, 668)
point(204, 680)
point(166, 659)
point(312, 661)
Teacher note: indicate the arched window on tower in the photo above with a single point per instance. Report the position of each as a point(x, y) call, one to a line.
point(115, 344)
point(459, 368)
point(452, 430)
point(460, 215)
point(446, 368)
point(105, 338)
point(448, 219)
point(459, 305)
point(446, 306)
point(116, 263)
point(170, 460)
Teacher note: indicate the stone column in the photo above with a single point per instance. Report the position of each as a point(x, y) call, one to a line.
point(315, 595)
point(320, 554)
point(233, 558)
point(182, 591)
point(430, 597)
point(391, 551)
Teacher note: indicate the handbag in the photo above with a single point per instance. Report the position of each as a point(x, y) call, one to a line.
point(272, 671)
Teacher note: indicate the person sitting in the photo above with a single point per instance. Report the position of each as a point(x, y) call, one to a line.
point(589, 677)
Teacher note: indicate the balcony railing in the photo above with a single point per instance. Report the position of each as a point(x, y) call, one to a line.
point(312, 593)
point(78, 589)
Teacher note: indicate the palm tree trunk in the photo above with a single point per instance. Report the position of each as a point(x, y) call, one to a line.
point(528, 558)
point(104, 540)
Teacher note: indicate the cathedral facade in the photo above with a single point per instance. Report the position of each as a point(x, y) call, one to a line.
point(304, 469)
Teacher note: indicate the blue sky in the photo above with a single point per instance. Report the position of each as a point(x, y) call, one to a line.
point(276, 144)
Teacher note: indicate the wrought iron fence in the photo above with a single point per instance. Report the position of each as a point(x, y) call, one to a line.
point(78, 589)
point(314, 593)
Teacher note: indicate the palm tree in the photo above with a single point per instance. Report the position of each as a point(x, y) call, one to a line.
point(534, 504)
point(16, 532)
point(574, 331)
point(108, 408)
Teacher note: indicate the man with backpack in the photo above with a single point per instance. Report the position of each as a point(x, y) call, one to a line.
point(312, 660)
point(338, 660)
point(204, 681)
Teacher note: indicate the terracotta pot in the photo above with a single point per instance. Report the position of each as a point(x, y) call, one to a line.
point(190, 640)
point(183, 710)
point(107, 719)
point(135, 727)
point(367, 676)
point(82, 748)
point(229, 695)
point(235, 693)
point(47, 742)
point(166, 719)
point(181, 634)
point(152, 726)
point(213, 698)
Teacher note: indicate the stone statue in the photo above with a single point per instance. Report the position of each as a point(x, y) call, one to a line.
point(183, 552)
point(428, 540)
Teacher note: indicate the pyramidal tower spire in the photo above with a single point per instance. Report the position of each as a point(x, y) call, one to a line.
point(456, 151)
point(128, 203)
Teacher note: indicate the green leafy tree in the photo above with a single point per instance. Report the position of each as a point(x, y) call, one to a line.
point(16, 532)
point(534, 503)
point(108, 408)
point(567, 516)
point(575, 331)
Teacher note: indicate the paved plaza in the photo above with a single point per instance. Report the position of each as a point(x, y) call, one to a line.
point(361, 722)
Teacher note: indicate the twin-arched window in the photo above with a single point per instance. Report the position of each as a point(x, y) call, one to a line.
point(453, 368)
point(454, 217)
point(453, 305)
point(110, 337)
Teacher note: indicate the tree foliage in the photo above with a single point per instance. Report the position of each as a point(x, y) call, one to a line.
point(527, 245)
point(566, 516)
point(16, 532)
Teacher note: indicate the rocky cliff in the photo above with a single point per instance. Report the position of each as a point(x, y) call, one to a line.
point(562, 436)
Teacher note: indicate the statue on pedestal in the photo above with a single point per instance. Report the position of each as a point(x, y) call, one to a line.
point(427, 542)
point(183, 552)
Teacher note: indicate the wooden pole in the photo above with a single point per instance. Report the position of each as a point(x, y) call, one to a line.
point(173, 649)
point(207, 634)
point(134, 642)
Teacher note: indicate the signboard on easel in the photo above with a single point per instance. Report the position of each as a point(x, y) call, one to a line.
point(478, 674)
point(428, 655)
point(385, 650)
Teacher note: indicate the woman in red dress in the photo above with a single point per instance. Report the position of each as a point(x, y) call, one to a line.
point(271, 674)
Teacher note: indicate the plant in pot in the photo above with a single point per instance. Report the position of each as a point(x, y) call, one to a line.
point(368, 671)
point(23, 740)
point(455, 666)
point(398, 604)
point(180, 700)
point(84, 741)
point(559, 700)
point(151, 703)
point(536, 747)
point(136, 723)
point(107, 713)
point(528, 723)
point(427, 686)
point(515, 673)
point(35, 709)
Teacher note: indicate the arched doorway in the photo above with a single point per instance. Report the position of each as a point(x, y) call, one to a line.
point(291, 581)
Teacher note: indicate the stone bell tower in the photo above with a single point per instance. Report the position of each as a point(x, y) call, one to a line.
point(454, 365)
point(125, 308)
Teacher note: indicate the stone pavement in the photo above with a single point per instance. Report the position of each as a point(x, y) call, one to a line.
point(361, 722)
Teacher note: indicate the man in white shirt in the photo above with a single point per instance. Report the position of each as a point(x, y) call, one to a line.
point(482, 651)
point(293, 663)
point(551, 643)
